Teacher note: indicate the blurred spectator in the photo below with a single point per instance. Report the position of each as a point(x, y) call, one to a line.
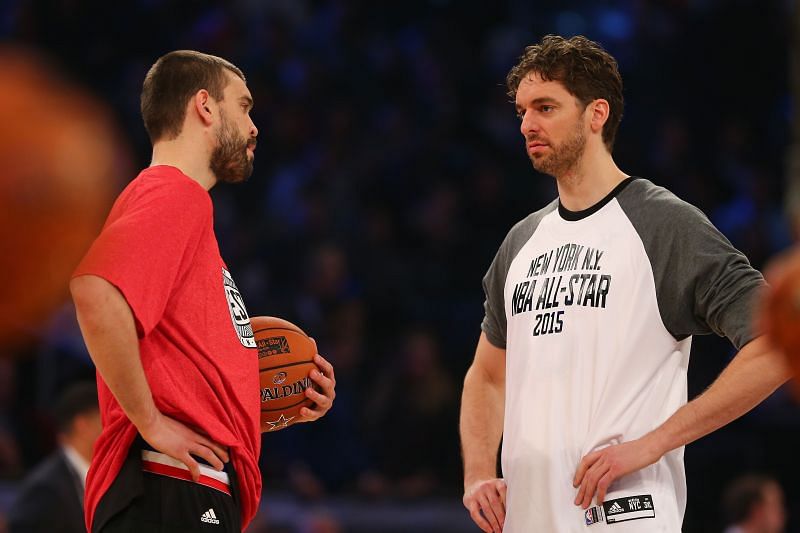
point(50, 498)
point(413, 410)
point(320, 522)
point(312, 475)
point(754, 504)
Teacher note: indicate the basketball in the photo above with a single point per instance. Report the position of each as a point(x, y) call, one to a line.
point(285, 358)
point(781, 313)
point(50, 213)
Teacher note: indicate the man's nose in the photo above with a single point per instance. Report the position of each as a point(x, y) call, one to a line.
point(528, 125)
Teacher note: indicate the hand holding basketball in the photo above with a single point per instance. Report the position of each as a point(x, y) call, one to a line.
point(325, 380)
point(292, 374)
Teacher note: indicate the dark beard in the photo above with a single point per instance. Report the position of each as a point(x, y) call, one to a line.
point(229, 160)
point(565, 156)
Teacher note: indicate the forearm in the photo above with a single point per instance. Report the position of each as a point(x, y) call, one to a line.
point(481, 425)
point(109, 331)
point(752, 375)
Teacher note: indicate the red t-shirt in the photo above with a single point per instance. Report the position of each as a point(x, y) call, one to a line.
point(159, 249)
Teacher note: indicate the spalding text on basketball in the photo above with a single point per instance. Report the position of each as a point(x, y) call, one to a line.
point(274, 393)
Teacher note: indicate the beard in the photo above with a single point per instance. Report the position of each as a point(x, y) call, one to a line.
point(230, 161)
point(562, 157)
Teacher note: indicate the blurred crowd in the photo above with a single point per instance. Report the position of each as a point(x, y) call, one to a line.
point(388, 170)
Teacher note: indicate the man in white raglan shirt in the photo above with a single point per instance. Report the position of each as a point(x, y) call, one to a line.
point(591, 304)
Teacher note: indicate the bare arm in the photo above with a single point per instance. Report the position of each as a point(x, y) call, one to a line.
point(752, 375)
point(482, 409)
point(109, 330)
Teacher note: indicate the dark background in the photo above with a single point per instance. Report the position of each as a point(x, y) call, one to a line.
point(389, 169)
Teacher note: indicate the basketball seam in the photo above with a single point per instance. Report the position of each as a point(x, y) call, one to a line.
point(287, 406)
point(281, 329)
point(287, 364)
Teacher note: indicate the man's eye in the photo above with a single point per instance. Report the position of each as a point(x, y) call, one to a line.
point(547, 108)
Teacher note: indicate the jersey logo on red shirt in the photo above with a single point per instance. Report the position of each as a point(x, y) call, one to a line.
point(241, 321)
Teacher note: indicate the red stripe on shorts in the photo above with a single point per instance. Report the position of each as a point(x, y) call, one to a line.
point(179, 473)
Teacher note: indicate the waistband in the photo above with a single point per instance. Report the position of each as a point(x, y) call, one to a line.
point(164, 465)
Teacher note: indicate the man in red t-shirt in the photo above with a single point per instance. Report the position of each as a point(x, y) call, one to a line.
point(165, 324)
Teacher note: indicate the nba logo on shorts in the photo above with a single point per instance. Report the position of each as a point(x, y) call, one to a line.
point(593, 515)
point(241, 321)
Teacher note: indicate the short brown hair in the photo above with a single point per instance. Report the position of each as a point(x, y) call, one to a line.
point(172, 81)
point(585, 69)
point(77, 399)
point(742, 495)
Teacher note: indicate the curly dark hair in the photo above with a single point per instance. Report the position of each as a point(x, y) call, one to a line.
point(585, 69)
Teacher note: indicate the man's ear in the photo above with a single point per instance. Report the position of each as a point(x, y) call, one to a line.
point(598, 114)
point(201, 104)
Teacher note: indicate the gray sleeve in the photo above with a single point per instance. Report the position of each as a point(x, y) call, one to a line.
point(494, 320)
point(703, 284)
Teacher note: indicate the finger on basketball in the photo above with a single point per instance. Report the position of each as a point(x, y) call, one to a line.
point(326, 367)
point(322, 380)
point(309, 415)
point(321, 400)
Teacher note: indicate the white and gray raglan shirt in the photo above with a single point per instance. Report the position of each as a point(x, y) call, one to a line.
point(596, 311)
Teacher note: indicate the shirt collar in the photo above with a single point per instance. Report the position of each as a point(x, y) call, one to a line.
point(77, 462)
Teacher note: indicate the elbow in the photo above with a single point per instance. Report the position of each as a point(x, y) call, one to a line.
point(88, 292)
point(78, 289)
point(477, 376)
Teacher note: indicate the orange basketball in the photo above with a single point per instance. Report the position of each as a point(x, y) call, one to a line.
point(781, 312)
point(285, 358)
point(60, 158)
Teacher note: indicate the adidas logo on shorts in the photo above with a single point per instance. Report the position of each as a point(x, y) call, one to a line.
point(615, 508)
point(209, 517)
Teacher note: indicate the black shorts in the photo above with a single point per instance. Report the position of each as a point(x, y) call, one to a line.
point(151, 494)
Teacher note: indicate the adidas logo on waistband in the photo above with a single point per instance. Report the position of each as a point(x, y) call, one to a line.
point(616, 508)
point(209, 517)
